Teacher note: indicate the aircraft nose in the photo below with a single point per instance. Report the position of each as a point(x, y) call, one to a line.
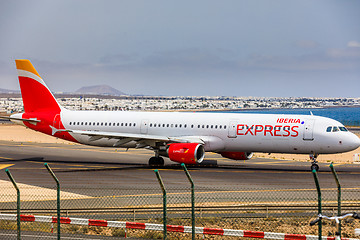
point(357, 141)
point(354, 141)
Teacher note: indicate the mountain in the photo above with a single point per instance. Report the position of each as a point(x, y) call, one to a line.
point(2, 90)
point(100, 90)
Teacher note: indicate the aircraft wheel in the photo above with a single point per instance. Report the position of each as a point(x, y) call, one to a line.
point(161, 161)
point(315, 167)
point(156, 161)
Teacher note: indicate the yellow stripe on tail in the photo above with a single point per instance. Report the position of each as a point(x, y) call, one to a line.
point(24, 64)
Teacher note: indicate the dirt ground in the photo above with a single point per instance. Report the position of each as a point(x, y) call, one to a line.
point(17, 133)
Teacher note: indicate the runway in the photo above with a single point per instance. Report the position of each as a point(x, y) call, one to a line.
point(113, 184)
point(84, 165)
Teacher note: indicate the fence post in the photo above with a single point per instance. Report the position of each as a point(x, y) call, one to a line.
point(17, 203)
point(192, 201)
point(164, 202)
point(57, 199)
point(339, 195)
point(319, 201)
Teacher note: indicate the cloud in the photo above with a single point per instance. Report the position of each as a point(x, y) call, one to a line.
point(344, 54)
point(353, 44)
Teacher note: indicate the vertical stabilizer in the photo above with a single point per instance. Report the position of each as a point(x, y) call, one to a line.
point(35, 94)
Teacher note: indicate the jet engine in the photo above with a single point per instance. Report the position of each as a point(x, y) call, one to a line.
point(188, 153)
point(237, 155)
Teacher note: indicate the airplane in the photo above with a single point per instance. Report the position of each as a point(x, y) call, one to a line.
point(183, 137)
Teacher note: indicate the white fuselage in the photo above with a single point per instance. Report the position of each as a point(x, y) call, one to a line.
point(221, 132)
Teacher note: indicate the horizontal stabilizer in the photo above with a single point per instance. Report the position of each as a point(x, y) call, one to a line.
point(31, 120)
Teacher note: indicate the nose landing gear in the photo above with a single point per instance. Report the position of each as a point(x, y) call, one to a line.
point(314, 165)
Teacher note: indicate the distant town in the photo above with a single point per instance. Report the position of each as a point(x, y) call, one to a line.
point(12, 102)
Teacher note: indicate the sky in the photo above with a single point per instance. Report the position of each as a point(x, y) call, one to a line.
point(261, 48)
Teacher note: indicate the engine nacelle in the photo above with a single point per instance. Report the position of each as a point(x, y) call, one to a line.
point(237, 155)
point(188, 153)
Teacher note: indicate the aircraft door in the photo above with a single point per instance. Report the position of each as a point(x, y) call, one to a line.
point(57, 121)
point(309, 130)
point(232, 129)
point(144, 126)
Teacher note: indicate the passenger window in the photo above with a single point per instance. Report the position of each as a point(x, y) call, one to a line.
point(335, 129)
point(203, 126)
point(328, 129)
point(118, 124)
point(98, 124)
point(134, 124)
point(198, 126)
point(220, 126)
point(192, 126)
point(105, 124)
point(225, 127)
point(102, 124)
point(180, 126)
point(211, 126)
point(167, 125)
point(125, 124)
point(215, 126)
point(69, 123)
point(129, 124)
point(185, 126)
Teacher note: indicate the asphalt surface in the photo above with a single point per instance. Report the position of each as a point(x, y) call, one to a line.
point(111, 178)
point(84, 166)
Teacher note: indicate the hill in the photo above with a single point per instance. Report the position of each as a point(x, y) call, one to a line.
point(101, 90)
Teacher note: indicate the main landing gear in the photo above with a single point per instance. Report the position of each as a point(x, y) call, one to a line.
point(157, 160)
point(314, 165)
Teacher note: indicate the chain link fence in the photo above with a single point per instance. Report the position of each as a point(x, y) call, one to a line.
point(228, 207)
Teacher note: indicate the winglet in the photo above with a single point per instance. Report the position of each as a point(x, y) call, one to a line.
point(53, 130)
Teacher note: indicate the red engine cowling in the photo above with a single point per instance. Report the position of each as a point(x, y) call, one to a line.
point(188, 153)
point(237, 155)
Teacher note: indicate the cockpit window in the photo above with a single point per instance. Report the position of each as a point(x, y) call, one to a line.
point(343, 129)
point(336, 129)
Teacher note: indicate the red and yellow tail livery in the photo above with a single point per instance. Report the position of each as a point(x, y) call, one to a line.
point(36, 95)
point(41, 108)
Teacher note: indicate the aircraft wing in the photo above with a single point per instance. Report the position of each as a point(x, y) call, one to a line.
point(116, 135)
point(144, 140)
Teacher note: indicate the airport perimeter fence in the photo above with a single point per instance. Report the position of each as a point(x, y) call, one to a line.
point(229, 207)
